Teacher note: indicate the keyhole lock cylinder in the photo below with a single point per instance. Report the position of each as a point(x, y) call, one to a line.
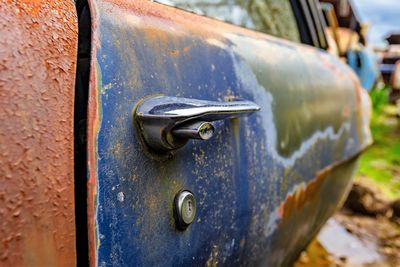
point(185, 209)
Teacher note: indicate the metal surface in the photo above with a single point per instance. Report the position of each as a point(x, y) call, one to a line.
point(196, 130)
point(38, 46)
point(264, 184)
point(185, 209)
point(160, 119)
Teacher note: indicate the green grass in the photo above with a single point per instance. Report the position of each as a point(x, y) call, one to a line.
point(381, 162)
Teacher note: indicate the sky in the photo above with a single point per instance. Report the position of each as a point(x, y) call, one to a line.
point(383, 16)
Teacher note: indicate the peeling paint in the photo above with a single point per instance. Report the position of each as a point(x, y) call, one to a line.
point(120, 196)
point(243, 175)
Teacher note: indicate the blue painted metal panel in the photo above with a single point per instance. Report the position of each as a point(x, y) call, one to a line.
point(264, 184)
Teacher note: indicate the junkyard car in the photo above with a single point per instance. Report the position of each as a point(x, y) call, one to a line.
point(348, 37)
point(147, 135)
point(390, 66)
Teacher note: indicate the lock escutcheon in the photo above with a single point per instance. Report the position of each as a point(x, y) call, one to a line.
point(185, 209)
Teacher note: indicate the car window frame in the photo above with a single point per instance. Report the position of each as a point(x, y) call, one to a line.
point(310, 23)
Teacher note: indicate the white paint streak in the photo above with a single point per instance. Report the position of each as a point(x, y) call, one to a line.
point(121, 196)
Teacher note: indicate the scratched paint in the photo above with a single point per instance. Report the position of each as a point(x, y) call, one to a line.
point(37, 79)
point(246, 173)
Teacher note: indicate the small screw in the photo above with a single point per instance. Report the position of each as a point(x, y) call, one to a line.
point(185, 209)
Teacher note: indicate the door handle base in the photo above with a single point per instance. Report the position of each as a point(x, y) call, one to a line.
point(167, 123)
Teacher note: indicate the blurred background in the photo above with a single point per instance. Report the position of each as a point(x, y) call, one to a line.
point(366, 231)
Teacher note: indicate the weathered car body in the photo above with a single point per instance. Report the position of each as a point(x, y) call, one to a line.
point(264, 184)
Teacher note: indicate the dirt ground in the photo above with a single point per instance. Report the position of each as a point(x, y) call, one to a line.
point(365, 232)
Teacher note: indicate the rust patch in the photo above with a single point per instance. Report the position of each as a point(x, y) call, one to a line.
point(38, 47)
point(93, 122)
point(213, 259)
point(303, 195)
point(303, 212)
point(94, 116)
point(308, 193)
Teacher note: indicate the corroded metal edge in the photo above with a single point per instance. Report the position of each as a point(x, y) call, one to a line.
point(93, 125)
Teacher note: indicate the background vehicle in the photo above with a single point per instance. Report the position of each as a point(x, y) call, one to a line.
point(347, 36)
point(264, 184)
point(390, 66)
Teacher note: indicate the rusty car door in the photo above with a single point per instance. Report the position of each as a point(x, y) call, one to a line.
point(263, 184)
point(38, 43)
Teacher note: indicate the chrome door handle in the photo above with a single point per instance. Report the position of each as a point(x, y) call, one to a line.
point(167, 123)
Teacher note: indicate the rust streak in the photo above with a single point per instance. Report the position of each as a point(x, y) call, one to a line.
point(303, 195)
point(308, 193)
point(92, 130)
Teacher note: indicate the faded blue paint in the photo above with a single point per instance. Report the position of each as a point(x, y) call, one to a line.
point(365, 64)
point(243, 174)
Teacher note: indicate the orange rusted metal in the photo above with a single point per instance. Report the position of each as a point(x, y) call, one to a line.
point(38, 47)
